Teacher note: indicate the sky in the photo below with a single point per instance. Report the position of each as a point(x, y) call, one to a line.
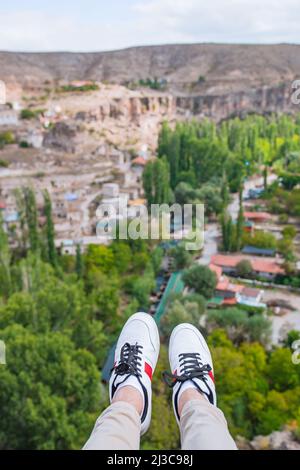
point(97, 25)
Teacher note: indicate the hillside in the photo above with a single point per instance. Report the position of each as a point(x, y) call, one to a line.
point(219, 65)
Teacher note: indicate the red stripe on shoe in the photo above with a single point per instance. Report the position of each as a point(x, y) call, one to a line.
point(148, 370)
point(211, 376)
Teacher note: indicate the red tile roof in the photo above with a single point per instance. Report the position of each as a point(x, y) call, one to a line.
point(257, 215)
point(232, 301)
point(139, 161)
point(226, 285)
point(258, 264)
point(237, 288)
point(265, 266)
point(216, 269)
point(2, 205)
point(223, 283)
point(249, 292)
point(226, 260)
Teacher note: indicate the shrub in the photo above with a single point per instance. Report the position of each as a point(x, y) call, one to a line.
point(27, 114)
point(3, 164)
point(7, 138)
point(23, 144)
point(201, 279)
point(289, 232)
point(244, 268)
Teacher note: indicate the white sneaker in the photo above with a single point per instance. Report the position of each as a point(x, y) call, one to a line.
point(191, 365)
point(135, 360)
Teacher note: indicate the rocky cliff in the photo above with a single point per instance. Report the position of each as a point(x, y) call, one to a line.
point(202, 79)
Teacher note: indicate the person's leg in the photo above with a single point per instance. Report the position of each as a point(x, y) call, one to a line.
point(123, 414)
point(202, 424)
point(120, 426)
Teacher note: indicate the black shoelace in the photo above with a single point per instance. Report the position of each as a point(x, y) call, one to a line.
point(130, 361)
point(130, 364)
point(191, 367)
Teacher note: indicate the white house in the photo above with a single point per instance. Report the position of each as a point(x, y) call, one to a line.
point(68, 247)
point(8, 117)
point(110, 190)
point(251, 297)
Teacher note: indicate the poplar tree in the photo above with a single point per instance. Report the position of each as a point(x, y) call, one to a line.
point(50, 233)
point(31, 219)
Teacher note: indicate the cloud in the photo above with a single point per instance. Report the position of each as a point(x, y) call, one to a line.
point(153, 22)
point(39, 31)
point(222, 21)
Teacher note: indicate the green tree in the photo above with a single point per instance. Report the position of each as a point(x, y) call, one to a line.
point(122, 256)
point(5, 260)
point(244, 268)
point(289, 232)
point(31, 219)
point(201, 279)
point(79, 266)
point(228, 233)
point(181, 257)
point(156, 181)
point(260, 239)
point(239, 227)
point(99, 257)
point(50, 233)
point(50, 392)
point(281, 370)
point(239, 326)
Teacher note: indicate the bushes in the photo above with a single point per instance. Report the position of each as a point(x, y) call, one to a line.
point(4, 164)
point(239, 325)
point(244, 269)
point(201, 279)
point(245, 379)
point(78, 89)
point(285, 202)
point(182, 258)
point(28, 114)
point(6, 138)
point(260, 239)
point(182, 311)
point(289, 232)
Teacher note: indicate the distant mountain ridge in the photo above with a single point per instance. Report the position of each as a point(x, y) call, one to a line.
point(217, 65)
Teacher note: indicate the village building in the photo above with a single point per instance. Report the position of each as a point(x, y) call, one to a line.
point(251, 297)
point(8, 117)
point(110, 190)
point(67, 247)
point(229, 293)
point(257, 217)
point(136, 207)
point(33, 138)
point(10, 219)
point(255, 251)
point(138, 166)
point(254, 193)
point(265, 268)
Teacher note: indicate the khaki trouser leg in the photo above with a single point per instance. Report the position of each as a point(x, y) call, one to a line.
point(117, 428)
point(204, 427)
